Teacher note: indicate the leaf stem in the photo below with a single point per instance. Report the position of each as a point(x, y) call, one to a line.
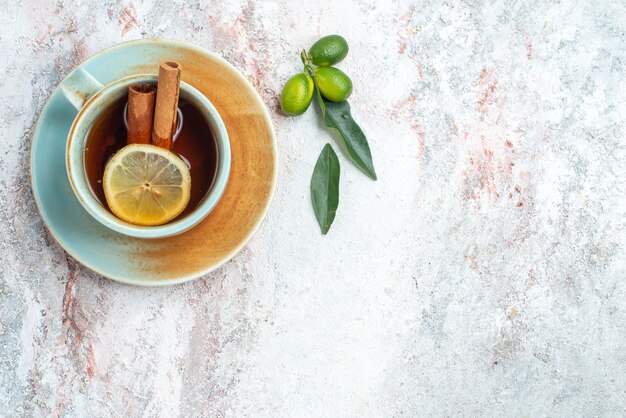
point(304, 57)
point(308, 70)
point(307, 64)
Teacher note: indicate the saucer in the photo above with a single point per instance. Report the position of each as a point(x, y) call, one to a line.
point(218, 237)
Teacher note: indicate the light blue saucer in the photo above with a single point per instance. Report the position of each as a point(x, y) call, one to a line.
point(125, 259)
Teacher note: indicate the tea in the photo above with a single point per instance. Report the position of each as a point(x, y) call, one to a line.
point(196, 145)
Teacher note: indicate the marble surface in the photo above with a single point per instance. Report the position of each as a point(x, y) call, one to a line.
point(483, 274)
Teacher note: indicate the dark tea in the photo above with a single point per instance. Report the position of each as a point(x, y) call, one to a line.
point(196, 145)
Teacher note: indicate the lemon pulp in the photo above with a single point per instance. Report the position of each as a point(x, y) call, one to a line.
point(146, 185)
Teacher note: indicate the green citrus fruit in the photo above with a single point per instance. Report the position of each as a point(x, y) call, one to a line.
point(297, 94)
point(333, 83)
point(329, 50)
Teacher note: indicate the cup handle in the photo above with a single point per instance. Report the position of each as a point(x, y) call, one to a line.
point(79, 86)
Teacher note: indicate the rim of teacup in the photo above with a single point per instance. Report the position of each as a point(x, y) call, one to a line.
point(76, 169)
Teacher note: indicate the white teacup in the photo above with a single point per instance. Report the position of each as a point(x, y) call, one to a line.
point(91, 99)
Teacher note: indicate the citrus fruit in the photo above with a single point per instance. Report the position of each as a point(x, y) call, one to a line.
point(146, 185)
point(297, 94)
point(333, 83)
point(329, 50)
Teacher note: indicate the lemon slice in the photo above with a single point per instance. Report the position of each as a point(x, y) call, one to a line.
point(146, 185)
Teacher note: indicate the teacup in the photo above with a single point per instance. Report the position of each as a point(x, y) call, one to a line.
point(91, 99)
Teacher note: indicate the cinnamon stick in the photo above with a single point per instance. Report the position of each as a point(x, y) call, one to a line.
point(140, 114)
point(166, 104)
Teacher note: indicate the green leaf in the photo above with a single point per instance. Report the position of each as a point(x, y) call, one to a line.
point(325, 187)
point(352, 138)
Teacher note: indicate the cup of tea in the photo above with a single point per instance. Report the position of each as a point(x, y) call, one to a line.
point(98, 132)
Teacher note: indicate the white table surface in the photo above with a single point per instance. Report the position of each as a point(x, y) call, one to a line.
point(483, 274)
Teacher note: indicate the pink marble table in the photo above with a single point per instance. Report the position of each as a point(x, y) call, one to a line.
point(483, 274)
